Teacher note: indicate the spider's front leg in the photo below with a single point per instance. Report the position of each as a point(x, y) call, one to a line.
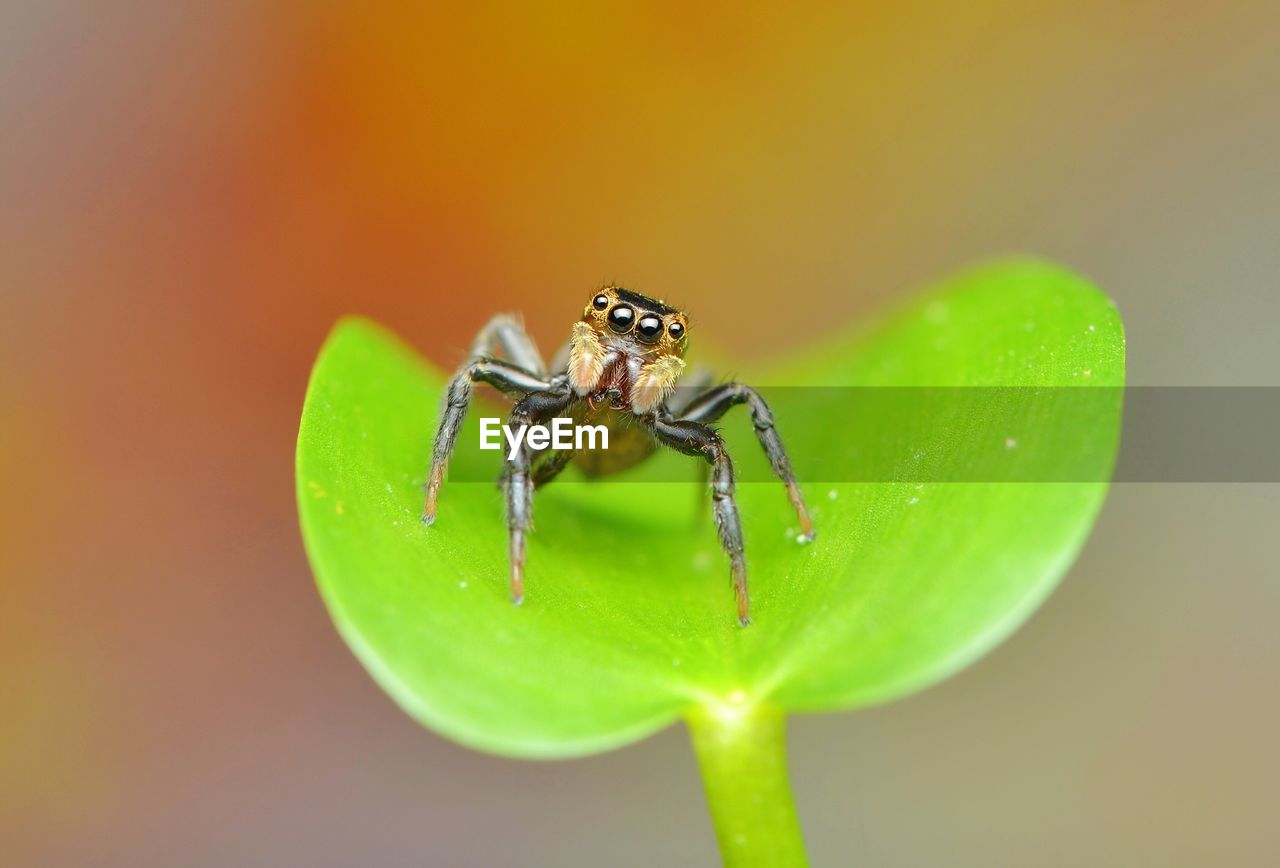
point(714, 403)
point(533, 409)
point(508, 378)
point(694, 438)
point(502, 355)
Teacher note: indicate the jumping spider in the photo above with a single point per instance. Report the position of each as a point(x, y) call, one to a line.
point(619, 367)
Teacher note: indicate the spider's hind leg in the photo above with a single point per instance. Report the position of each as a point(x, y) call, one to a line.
point(504, 336)
point(550, 467)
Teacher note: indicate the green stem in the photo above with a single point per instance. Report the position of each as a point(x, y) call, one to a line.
point(742, 753)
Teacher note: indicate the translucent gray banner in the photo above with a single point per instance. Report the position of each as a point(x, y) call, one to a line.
point(923, 435)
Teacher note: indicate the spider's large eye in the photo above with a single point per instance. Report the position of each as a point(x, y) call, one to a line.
point(600, 302)
point(676, 330)
point(621, 318)
point(649, 328)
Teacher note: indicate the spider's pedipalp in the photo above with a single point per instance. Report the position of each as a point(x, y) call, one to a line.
point(586, 358)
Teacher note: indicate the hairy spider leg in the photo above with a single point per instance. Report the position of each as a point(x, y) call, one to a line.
point(551, 466)
point(504, 376)
point(696, 439)
point(522, 371)
point(693, 386)
point(714, 403)
point(533, 409)
point(504, 336)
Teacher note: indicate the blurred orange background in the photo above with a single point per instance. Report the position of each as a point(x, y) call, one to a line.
point(190, 197)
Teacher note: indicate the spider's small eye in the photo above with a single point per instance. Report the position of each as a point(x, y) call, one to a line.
point(649, 327)
point(621, 318)
point(676, 330)
point(600, 302)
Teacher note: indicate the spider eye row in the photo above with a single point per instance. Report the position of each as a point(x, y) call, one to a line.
point(622, 317)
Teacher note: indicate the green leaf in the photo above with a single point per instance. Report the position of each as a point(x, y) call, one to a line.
point(628, 620)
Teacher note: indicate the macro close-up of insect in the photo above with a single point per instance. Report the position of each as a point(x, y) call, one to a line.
point(619, 369)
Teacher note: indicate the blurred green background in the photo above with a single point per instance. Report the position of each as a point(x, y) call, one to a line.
point(189, 199)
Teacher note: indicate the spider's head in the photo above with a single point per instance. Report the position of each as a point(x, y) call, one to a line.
point(636, 324)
